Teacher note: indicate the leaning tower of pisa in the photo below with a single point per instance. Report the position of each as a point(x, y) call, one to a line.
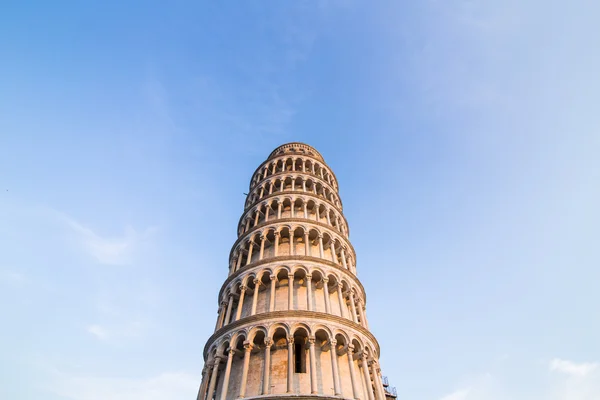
point(291, 317)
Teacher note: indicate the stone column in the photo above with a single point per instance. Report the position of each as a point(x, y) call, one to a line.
point(276, 245)
point(272, 298)
point(376, 381)
point(267, 212)
point(249, 260)
point(365, 369)
point(306, 244)
point(326, 294)
point(239, 261)
point(290, 370)
point(213, 378)
point(313, 366)
point(292, 245)
point(247, 349)
point(281, 186)
point(361, 314)
point(355, 389)
point(238, 314)
point(290, 291)
point(267, 371)
point(229, 307)
point(333, 255)
point(343, 254)
point(262, 247)
point(218, 324)
point(321, 246)
point(365, 316)
point(279, 207)
point(317, 211)
point(353, 306)
point(257, 215)
point(334, 368)
point(255, 297)
point(203, 385)
point(222, 317)
point(293, 184)
point(230, 355)
point(309, 292)
point(343, 308)
point(304, 185)
point(305, 210)
point(328, 218)
point(271, 187)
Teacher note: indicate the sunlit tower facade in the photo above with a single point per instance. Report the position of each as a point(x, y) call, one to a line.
point(292, 318)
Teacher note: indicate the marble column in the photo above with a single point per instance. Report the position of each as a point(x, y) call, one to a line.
point(290, 366)
point(313, 366)
point(230, 355)
point(326, 295)
point(309, 304)
point(238, 314)
point(255, 297)
point(365, 368)
point(213, 378)
point(247, 349)
point(334, 368)
point(267, 371)
point(355, 389)
point(290, 291)
point(272, 298)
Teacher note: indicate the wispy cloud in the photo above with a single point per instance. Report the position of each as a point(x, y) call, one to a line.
point(98, 331)
point(572, 368)
point(118, 330)
point(164, 386)
point(12, 278)
point(457, 395)
point(117, 250)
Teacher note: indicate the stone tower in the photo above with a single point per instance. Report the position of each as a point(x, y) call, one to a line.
point(291, 318)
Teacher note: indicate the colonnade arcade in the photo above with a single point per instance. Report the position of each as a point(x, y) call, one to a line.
point(305, 164)
point(292, 206)
point(302, 287)
point(293, 183)
point(291, 240)
point(291, 358)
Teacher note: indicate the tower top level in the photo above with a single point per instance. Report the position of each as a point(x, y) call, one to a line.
point(296, 148)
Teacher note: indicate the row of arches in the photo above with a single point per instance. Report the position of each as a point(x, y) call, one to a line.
point(297, 288)
point(292, 183)
point(305, 165)
point(292, 240)
point(293, 358)
point(292, 206)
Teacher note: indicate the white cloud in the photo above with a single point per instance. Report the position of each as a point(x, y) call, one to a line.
point(118, 250)
point(118, 330)
point(98, 331)
point(12, 278)
point(165, 386)
point(457, 395)
point(572, 368)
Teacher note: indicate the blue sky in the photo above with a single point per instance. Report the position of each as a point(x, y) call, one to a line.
point(465, 136)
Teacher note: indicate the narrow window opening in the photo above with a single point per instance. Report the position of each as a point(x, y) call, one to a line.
point(299, 359)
